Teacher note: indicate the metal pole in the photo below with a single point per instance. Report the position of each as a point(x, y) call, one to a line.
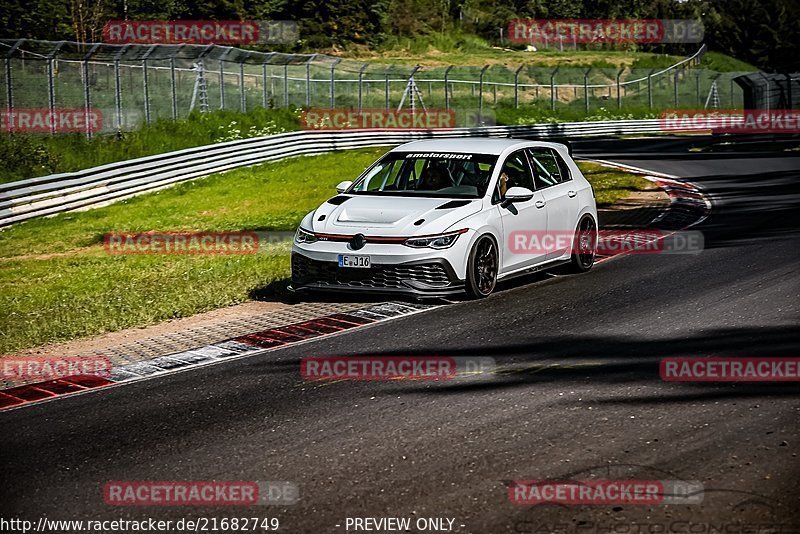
point(361, 84)
point(242, 96)
point(516, 86)
point(9, 83)
point(173, 87)
point(286, 85)
point(731, 92)
point(264, 78)
point(650, 89)
point(446, 91)
point(480, 92)
point(146, 86)
point(333, 82)
point(619, 92)
point(51, 93)
point(308, 80)
point(386, 90)
point(586, 89)
point(87, 97)
point(789, 91)
point(553, 89)
point(117, 95)
point(675, 88)
point(222, 77)
point(697, 86)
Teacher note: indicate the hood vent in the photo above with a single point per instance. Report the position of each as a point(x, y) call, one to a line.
point(338, 200)
point(453, 204)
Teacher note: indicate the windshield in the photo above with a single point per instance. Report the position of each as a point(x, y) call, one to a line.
point(429, 174)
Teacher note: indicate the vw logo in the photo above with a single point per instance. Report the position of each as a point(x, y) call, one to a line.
point(358, 241)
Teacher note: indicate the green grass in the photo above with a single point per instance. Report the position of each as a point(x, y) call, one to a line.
point(57, 283)
point(26, 156)
point(610, 184)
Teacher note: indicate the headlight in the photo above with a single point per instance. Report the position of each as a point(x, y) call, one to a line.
point(304, 236)
point(434, 241)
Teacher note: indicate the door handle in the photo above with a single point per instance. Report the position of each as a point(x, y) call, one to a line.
point(571, 194)
point(540, 204)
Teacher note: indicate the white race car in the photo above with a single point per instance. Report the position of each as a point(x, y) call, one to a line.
point(444, 216)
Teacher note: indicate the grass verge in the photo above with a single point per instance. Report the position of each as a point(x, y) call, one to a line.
point(57, 283)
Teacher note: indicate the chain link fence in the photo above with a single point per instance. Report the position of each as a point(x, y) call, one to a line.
point(133, 85)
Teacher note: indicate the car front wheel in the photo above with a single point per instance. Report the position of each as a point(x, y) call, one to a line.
point(482, 268)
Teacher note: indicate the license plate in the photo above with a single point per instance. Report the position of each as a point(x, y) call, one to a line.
point(358, 262)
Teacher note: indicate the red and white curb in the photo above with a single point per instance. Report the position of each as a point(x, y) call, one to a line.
point(234, 348)
point(689, 205)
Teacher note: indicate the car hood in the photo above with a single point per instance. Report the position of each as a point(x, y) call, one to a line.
point(390, 215)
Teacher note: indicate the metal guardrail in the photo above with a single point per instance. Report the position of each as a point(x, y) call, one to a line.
point(48, 195)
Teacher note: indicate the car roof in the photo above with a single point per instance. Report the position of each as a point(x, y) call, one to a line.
point(470, 145)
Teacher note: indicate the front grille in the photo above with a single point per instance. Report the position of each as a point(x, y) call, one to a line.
point(307, 271)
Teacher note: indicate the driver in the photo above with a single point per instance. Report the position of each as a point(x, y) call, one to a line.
point(435, 178)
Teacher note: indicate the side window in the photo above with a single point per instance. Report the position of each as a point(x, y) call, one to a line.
point(515, 173)
point(548, 167)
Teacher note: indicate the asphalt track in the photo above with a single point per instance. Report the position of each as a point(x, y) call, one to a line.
point(580, 395)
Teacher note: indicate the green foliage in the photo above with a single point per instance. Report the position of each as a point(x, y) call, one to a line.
point(762, 32)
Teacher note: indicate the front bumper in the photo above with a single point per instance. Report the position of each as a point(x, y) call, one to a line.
point(429, 277)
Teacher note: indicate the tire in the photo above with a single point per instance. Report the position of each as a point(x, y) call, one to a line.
point(583, 254)
point(482, 268)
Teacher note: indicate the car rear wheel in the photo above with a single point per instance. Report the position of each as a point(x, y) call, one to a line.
point(482, 268)
point(584, 249)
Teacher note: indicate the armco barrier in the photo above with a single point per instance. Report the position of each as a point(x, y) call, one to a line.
point(56, 193)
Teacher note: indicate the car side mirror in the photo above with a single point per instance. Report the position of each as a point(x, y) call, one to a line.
point(517, 194)
point(343, 186)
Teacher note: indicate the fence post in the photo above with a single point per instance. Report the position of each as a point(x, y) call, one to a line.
point(386, 90)
point(361, 84)
point(697, 86)
point(789, 90)
point(480, 92)
point(516, 86)
point(650, 89)
point(286, 85)
point(173, 88)
point(731, 100)
point(308, 79)
point(586, 89)
point(51, 84)
point(222, 78)
point(118, 87)
point(242, 96)
point(675, 88)
point(553, 89)
point(333, 82)
point(87, 99)
point(619, 91)
point(446, 91)
point(146, 86)
point(9, 83)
